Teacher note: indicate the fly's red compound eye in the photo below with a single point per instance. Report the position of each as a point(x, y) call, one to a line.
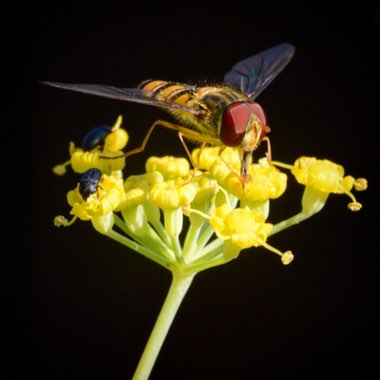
point(235, 120)
point(234, 123)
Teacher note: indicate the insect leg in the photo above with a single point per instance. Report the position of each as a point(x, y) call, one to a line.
point(233, 170)
point(269, 150)
point(195, 166)
point(145, 141)
point(185, 132)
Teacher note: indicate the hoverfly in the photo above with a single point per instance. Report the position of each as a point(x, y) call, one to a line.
point(224, 115)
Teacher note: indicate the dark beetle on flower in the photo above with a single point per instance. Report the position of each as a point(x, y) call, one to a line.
point(95, 136)
point(89, 182)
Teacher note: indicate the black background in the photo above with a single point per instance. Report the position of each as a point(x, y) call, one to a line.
point(82, 306)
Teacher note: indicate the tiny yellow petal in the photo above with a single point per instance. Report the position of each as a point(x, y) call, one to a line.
point(116, 140)
point(118, 123)
point(205, 157)
point(360, 184)
point(59, 169)
point(72, 148)
point(73, 196)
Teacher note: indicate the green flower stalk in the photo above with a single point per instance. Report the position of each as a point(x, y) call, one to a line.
point(225, 214)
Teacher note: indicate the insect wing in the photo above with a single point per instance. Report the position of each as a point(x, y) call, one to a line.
point(253, 75)
point(135, 95)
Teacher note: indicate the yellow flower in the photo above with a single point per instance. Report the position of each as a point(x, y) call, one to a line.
point(82, 161)
point(265, 182)
point(242, 226)
point(170, 167)
point(117, 139)
point(217, 161)
point(322, 174)
point(206, 157)
point(137, 188)
point(206, 189)
point(106, 199)
point(107, 159)
point(172, 194)
point(326, 177)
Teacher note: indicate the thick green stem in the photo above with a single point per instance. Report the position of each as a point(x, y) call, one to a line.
point(178, 288)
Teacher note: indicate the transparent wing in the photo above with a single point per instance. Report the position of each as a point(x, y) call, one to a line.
point(127, 94)
point(253, 75)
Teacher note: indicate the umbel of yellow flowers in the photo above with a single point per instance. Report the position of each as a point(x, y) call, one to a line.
point(226, 215)
point(188, 220)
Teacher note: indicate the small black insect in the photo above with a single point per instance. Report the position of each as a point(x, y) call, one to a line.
point(95, 136)
point(89, 182)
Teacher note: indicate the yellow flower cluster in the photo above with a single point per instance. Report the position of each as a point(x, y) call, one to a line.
point(108, 197)
point(213, 195)
point(107, 157)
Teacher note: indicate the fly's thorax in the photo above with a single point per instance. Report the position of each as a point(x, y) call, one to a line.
point(215, 100)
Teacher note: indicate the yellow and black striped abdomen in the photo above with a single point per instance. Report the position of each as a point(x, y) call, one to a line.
point(171, 92)
point(210, 101)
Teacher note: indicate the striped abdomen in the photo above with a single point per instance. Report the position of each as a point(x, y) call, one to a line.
point(170, 91)
point(210, 100)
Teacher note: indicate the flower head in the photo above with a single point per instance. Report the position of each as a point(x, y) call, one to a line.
point(109, 195)
point(242, 226)
point(103, 152)
point(170, 167)
point(265, 182)
point(172, 194)
point(137, 189)
point(214, 197)
point(325, 177)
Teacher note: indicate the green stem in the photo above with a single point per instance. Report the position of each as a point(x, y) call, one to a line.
point(190, 241)
point(203, 238)
point(154, 239)
point(178, 288)
point(157, 225)
point(218, 260)
point(289, 222)
point(139, 248)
